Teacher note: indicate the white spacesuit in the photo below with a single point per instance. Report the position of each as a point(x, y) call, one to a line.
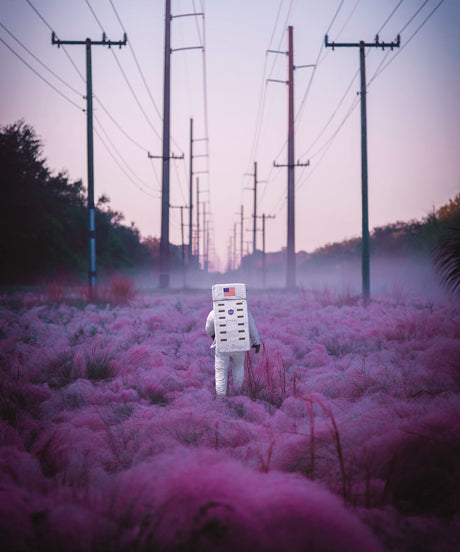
point(232, 328)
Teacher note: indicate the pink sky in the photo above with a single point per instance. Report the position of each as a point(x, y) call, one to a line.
point(413, 108)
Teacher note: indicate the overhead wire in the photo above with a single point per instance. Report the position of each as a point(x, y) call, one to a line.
point(316, 64)
point(334, 113)
point(378, 71)
point(38, 60)
point(149, 122)
point(202, 41)
point(121, 167)
point(46, 81)
point(263, 93)
point(130, 88)
point(123, 160)
point(100, 103)
point(84, 80)
point(131, 48)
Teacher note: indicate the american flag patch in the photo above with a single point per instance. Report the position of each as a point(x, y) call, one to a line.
point(229, 292)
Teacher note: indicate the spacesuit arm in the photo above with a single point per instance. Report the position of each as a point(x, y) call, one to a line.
point(253, 333)
point(210, 328)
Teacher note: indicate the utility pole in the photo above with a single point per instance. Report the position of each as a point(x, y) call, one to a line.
point(264, 217)
point(241, 237)
point(191, 174)
point(254, 214)
point(364, 174)
point(190, 217)
point(205, 213)
point(198, 222)
point(234, 245)
point(90, 146)
point(164, 239)
point(181, 207)
point(183, 244)
point(290, 249)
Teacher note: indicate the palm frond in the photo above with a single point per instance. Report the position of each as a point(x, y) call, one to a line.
point(447, 260)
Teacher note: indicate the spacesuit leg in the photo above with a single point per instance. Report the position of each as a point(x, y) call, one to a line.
point(222, 362)
point(238, 371)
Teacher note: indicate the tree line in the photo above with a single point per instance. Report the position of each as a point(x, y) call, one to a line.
point(44, 226)
point(44, 220)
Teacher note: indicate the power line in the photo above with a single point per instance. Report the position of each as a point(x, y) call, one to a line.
point(120, 166)
point(302, 103)
point(414, 16)
point(39, 15)
point(95, 16)
point(157, 134)
point(41, 76)
point(125, 76)
point(114, 121)
point(120, 156)
point(380, 69)
point(131, 48)
point(390, 16)
point(40, 62)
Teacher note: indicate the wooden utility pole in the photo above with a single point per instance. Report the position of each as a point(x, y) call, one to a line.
point(264, 217)
point(90, 147)
point(290, 249)
point(164, 239)
point(364, 174)
point(198, 222)
point(190, 215)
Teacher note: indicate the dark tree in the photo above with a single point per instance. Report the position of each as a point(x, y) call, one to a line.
point(44, 220)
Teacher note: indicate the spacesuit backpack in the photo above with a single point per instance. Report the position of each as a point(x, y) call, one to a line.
point(231, 318)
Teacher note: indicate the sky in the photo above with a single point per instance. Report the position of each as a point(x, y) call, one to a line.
point(239, 117)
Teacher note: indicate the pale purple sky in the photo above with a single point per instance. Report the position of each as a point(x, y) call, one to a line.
point(413, 108)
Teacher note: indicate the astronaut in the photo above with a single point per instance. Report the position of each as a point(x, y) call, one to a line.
point(233, 330)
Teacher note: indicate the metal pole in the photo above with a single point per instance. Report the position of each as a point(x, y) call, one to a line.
point(198, 222)
point(234, 245)
point(164, 240)
point(263, 250)
point(241, 240)
point(183, 244)
point(90, 151)
point(364, 187)
point(254, 232)
point(290, 251)
point(207, 247)
point(204, 234)
point(190, 217)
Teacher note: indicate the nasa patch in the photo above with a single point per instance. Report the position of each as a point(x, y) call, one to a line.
point(230, 311)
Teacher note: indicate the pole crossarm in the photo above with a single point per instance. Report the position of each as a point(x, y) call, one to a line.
point(172, 156)
point(376, 44)
point(303, 66)
point(277, 80)
point(104, 42)
point(277, 52)
point(186, 15)
point(187, 48)
point(298, 164)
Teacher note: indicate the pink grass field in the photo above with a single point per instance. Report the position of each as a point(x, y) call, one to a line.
point(346, 437)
